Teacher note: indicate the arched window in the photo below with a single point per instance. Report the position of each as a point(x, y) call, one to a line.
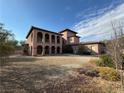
point(53, 49)
point(46, 49)
point(53, 38)
point(58, 39)
point(46, 38)
point(39, 49)
point(58, 50)
point(39, 37)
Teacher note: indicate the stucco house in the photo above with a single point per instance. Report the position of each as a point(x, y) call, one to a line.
point(92, 48)
point(45, 42)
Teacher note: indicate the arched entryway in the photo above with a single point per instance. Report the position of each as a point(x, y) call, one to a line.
point(58, 50)
point(39, 37)
point(46, 38)
point(39, 50)
point(46, 49)
point(53, 49)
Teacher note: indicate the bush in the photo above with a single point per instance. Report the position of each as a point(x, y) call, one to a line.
point(109, 73)
point(105, 61)
point(82, 50)
point(94, 61)
point(89, 71)
point(67, 49)
point(72, 84)
point(123, 61)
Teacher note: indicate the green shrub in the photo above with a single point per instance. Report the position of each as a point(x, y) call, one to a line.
point(67, 49)
point(105, 61)
point(108, 73)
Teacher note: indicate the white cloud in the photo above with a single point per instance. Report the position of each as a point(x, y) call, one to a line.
point(99, 27)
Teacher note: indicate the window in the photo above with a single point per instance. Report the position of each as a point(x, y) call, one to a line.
point(53, 38)
point(71, 40)
point(47, 38)
point(39, 37)
point(58, 39)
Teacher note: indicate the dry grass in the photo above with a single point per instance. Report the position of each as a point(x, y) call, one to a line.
point(34, 74)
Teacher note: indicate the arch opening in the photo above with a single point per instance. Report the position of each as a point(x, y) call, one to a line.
point(47, 38)
point(53, 50)
point(58, 50)
point(39, 50)
point(39, 37)
point(47, 50)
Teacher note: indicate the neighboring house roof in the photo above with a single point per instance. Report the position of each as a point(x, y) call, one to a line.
point(33, 27)
point(68, 30)
point(87, 43)
point(74, 36)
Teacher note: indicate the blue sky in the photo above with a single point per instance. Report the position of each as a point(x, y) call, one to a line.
point(83, 16)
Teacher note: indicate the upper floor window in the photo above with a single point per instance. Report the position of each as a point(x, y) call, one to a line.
point(39, 37)
point(71, 40)
point(47, 38)
point(53, 38)
point(58, 39)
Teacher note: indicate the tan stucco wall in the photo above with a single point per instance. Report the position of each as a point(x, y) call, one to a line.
point(96, 48)
point(67, 35)
point(73, 40)
point(34, 42)
point(93, 48)
point(76, 40)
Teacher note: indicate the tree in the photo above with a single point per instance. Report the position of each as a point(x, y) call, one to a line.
point(22, 43)
point(67, 49)
point(6, 46)
point(116, 48)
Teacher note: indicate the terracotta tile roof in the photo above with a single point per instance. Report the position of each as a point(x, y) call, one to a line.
point(68, 30)
point(74, 36)
point(33, 27)
point(88, 43)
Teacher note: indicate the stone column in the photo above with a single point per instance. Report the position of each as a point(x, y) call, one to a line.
point(43, 51)
point(60, 50)
point(55, 49)
point(61, 44)
point(49, 50)
point(50, 39)
point(55, 40)
point(43, 44)
point(50, 43)
point(34, 44)
point(34, 51)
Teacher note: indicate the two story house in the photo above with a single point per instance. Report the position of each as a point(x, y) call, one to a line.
point(45, 42)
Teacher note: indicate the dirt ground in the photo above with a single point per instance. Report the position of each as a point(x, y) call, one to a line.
point(29, 74)
point(73, 61)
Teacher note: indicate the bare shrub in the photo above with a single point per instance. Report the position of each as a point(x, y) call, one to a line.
point(89, 71)
point(72, 84)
